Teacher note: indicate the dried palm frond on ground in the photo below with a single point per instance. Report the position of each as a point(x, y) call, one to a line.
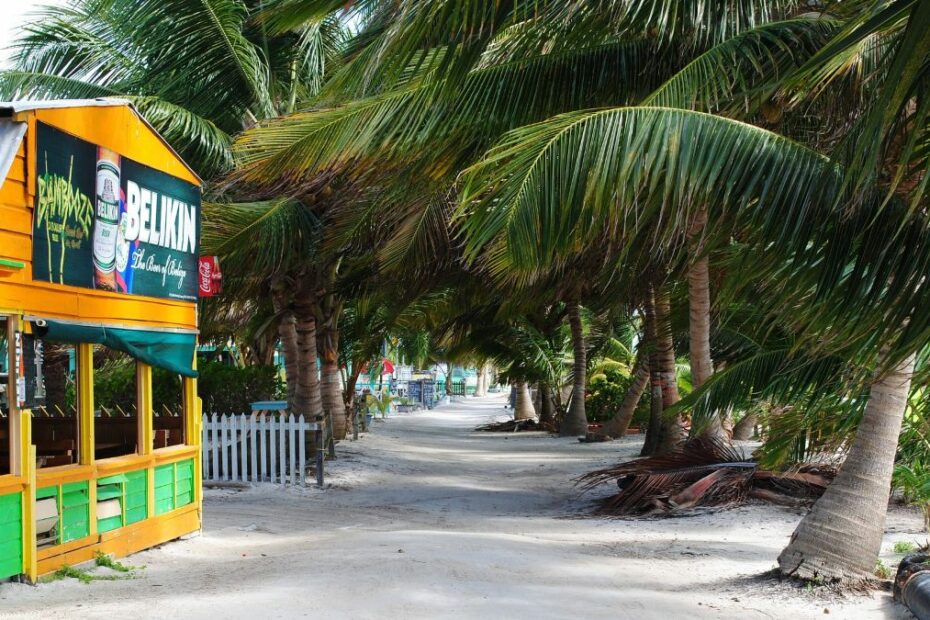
point(515, 426)
point(702, 472)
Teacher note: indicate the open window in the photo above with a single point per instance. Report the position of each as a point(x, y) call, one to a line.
point(168, 409)
point(55, 423)
point(116, 404)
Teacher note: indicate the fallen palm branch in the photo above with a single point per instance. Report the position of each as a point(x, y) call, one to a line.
point(702, 473)
point(515, 426)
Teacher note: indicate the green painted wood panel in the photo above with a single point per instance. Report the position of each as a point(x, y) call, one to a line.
point(164, 489)
point(75, 511)
point(134, 515)
point(11, 535)
point(136, 500)
point(47, 492)
point(184, 490)
point(112, 523)
point(164, 475)
point(109, 491)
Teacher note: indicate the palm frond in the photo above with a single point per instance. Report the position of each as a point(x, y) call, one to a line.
point(742, 72)
point(260, 237)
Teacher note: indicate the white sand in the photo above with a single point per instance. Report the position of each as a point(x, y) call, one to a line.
point(427, 519)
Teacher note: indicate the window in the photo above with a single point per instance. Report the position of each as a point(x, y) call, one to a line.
point(168, 409)
point(55, 424)
point(116, 413)
point(4, 396)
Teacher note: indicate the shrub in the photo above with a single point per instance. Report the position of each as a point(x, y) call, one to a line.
point(605, 394)
point(904, 546)
point(229, 389)
point(223, 388)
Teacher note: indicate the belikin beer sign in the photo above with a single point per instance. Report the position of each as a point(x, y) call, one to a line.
point(107, 222)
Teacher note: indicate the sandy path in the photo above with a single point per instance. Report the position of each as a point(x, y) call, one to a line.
point(427, 519)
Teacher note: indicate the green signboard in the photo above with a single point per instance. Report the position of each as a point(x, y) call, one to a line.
point(107, 222)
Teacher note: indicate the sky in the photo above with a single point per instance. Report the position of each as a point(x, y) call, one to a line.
point(12, 17)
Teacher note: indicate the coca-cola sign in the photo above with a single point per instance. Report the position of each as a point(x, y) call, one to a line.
point(211, 278)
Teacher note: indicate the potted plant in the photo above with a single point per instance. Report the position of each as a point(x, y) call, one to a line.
point(405, 405)
point(383, 404)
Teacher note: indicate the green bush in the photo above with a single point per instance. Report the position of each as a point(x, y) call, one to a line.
point(228, 389)
point(223, 388)
point(605, 394)
point(115, 384)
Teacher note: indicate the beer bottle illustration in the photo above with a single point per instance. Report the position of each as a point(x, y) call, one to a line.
point(124, 250)
point(106, 222)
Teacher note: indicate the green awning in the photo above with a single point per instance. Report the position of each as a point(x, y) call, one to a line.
point(172, 351)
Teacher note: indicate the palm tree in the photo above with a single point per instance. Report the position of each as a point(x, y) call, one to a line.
point(199, 71)
point(430, 113)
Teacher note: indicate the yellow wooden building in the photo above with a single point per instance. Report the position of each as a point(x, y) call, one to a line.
point(99, 414)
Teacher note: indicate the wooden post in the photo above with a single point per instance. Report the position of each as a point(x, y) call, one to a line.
point(262, 442)
point(282, 434)
point(253, 452)
point(301, 451)
point(146, 421)
point(320, 450)
point(84, 354)
point(234, 447)
point(215, 447)
point(85, 402)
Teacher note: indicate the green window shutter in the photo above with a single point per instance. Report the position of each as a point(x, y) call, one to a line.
point(11, 535)
point(75, 511)
point(110, 503)
point(47, 492)
point(184, 492)
point(164, 489)
point(136, 501)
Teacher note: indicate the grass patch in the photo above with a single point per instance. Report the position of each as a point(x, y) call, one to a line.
point(101, 559)
point(85, 577)
point(882, 571)
point(68, 571)
point(904, 546)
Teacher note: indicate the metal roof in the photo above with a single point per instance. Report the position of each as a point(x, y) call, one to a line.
point(8, 108)
point(11, 135)
point(14, 107)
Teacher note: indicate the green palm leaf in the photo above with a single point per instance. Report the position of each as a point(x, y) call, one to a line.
point(546, 188)
point(742, 72)
point(265, 238)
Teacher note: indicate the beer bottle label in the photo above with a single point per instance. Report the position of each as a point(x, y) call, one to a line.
point(107, 220)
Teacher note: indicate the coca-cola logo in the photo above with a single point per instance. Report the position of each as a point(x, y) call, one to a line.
point(206, 275)
point(211, 280)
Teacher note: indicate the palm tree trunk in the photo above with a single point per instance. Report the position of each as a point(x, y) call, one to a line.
point(287, 332)
point(523, 408)
point(744, 428)
point(351, 381)
point(702, 366)
point(546, 407)
point(672, 428)
point(575, 421)
point(651, 441)
point(839, 539)
point(309, 398)
point(699, 304)
point(617, 426)
point(331, 380)
point(480, 389)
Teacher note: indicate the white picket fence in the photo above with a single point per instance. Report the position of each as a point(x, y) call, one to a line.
point(258, 448)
